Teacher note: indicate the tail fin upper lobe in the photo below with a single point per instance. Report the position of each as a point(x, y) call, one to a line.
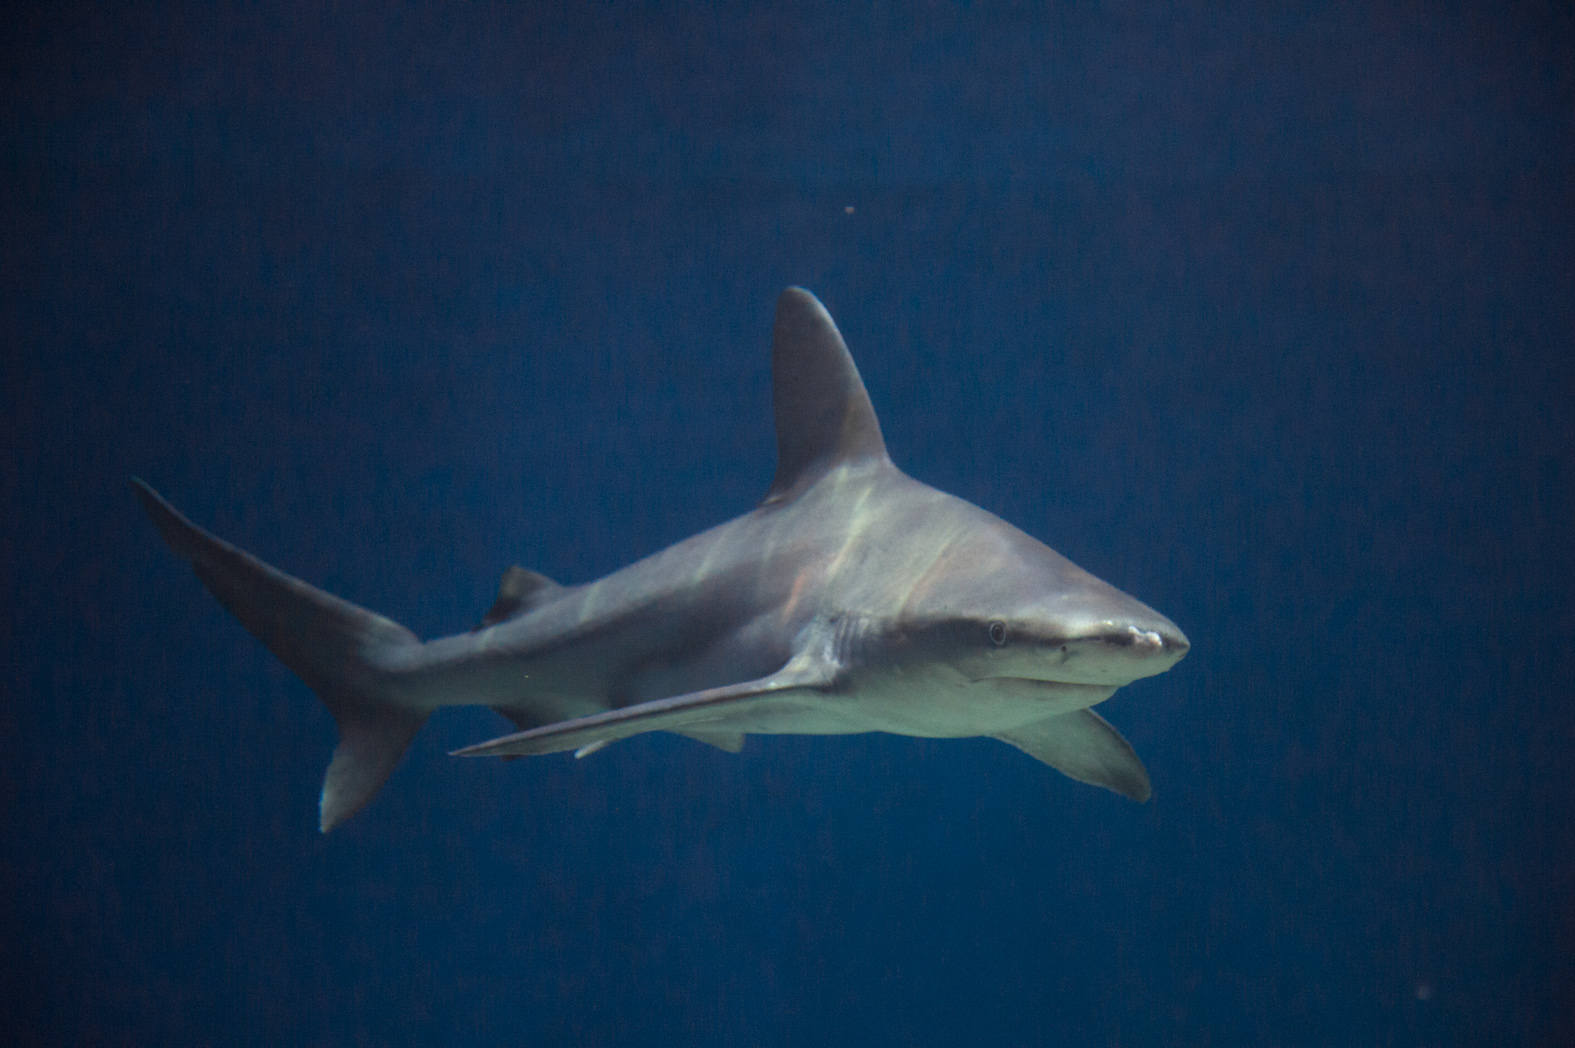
point(326, 641)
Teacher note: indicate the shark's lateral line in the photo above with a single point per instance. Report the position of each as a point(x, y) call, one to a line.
point(852, 599)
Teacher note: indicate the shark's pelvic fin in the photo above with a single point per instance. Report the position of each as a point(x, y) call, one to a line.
point(326, 641)
point(520, 590)
point(729, 741)
point(696, 714)
point(1083, 746)
point(823, 414)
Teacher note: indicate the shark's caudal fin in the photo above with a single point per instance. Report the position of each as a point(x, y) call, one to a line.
point(823, 414)
point(326, 641)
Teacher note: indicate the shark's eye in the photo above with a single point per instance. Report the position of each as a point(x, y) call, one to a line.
point(997, 633)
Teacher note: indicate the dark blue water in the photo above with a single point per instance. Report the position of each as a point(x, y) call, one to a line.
point(1264, 315)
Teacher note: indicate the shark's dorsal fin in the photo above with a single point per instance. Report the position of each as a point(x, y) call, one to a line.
point(520, 590)
point(823, 414)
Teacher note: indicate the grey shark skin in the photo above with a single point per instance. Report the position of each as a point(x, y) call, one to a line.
point(852, 599)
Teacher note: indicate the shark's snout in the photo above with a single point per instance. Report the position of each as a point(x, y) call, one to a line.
point(1163, 640)
point(1150, 642)
point(1116, 650)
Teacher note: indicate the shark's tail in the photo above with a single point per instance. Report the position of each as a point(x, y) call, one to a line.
point(330, 643)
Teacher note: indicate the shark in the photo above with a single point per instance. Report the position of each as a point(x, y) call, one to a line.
point(853, 598)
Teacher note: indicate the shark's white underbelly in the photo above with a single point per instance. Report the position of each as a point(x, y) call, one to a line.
point(934, 705)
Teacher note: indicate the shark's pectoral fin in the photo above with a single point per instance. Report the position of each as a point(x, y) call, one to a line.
point(1082, 745)
point(700, 713)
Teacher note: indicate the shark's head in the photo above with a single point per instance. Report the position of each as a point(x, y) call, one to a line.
point(998, 605)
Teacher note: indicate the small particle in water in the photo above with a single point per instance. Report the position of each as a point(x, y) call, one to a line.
point(1424, 991)
point(848, 210)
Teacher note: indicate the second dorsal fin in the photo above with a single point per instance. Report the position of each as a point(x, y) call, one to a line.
point(520, 590)
point(823, 414)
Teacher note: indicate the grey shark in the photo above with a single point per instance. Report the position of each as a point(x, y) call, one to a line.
point(852, 599)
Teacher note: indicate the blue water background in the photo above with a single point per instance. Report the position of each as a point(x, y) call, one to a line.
point(1264, 313)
